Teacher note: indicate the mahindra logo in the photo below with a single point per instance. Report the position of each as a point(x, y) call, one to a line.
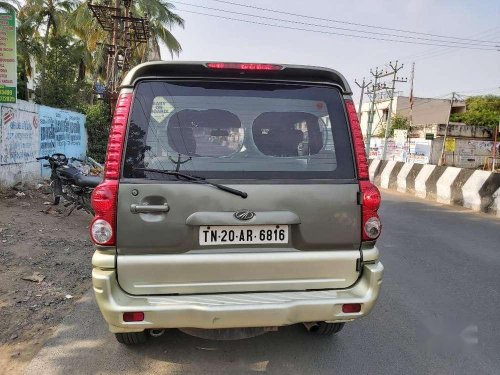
point(244, 215)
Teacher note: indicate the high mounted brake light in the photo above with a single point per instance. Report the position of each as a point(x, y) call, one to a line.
point(370, 195)
point(104, 196)
point(243, 66)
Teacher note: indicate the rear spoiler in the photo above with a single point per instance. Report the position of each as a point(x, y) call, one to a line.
point(199, 69)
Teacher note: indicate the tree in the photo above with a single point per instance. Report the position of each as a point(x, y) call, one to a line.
point(28, 49)
point(481, 111)
point(50, 16)
point(161, 20)
point(397, 122)
point(9, 5)
point(61, 86)
point(97, 124)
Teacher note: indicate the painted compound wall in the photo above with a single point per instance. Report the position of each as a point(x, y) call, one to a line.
point(28, 130)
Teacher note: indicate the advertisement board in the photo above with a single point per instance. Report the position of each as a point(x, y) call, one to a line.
point(8, 58)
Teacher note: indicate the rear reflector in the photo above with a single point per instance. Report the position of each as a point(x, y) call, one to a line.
point(136, 316)
point(351, 308)
point(243, 66)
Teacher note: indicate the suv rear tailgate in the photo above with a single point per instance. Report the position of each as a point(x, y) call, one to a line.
point(161, 254)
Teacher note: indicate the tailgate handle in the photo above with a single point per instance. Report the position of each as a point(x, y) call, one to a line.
point(149, 209)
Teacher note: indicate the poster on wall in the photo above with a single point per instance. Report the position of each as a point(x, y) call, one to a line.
point(62, 131)
point(20, 135)
point(8, 58)
point(416, 150)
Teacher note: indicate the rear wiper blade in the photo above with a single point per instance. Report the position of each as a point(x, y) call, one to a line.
point(195, 179)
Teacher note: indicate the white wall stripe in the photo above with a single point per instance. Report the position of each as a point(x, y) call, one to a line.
point(443, 185)
point(373, 167)
point(403, 173)
point(422, 177)
point(470, 190)
point(386, 173)
point(496, 202)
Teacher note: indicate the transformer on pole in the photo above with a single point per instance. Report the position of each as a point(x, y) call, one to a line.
point(125, 34)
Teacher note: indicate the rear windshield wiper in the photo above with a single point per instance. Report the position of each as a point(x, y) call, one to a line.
point(194, 179)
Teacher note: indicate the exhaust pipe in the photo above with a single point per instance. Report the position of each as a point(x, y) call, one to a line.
point(156, 332)
point(311, 326)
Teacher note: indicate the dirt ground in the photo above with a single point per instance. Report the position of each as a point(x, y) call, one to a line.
point(45, 266)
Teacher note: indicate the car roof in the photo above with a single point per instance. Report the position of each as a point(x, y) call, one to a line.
point(199, 69)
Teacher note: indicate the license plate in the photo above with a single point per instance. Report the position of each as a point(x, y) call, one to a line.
point(243, 234)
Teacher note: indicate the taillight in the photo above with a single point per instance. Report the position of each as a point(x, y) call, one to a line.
point(370, 195)
point(103, 226)
point(243, 66)
point(104, 197)
point(370, 203)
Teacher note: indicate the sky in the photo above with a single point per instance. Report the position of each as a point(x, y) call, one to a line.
point(438, 70)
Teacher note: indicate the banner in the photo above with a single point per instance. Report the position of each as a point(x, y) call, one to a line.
point(8, 58)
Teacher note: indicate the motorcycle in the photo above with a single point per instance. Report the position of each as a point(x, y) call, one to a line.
point(69, 182)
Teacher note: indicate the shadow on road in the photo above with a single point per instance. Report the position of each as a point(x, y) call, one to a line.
point(83, 344)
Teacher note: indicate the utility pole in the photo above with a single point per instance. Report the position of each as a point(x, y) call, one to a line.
point(395, 69)
point(411, 99)
point(495, 140)
point(362, 86)
point(411, 93)
point(441, 157)
point(125, 34)
point(377, 74)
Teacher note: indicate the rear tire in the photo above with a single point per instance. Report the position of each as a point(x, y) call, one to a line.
point(327, 329)
point(131, 338)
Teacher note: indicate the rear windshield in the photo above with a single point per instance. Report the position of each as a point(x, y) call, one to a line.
point(238, 130)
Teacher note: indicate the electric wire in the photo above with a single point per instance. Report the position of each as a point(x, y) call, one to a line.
point(334, 33)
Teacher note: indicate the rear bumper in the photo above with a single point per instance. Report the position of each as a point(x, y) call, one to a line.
point(231, 310)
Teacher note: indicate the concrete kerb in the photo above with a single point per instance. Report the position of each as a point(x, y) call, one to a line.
point(474, 189)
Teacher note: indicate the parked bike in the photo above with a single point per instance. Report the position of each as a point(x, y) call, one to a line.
point(69, 182)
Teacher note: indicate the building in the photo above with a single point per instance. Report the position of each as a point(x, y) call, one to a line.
point(425, 111)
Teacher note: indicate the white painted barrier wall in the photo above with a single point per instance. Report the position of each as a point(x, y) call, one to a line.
point(477, 190)
point(470, 190)
point(443, 185)
point(425, 172)
point(401, 179)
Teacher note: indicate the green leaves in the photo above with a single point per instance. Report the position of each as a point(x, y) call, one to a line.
point(481, 111)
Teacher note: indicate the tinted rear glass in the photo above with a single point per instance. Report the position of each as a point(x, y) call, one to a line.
point(238, 130)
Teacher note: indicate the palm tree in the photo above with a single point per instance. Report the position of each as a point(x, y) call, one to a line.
point(49, 15)
point(10, 5)
point(28, 48)
point(161, 21)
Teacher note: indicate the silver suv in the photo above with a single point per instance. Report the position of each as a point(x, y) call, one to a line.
point(235, 195)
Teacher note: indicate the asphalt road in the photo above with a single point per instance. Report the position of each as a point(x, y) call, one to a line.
point(437, 314)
